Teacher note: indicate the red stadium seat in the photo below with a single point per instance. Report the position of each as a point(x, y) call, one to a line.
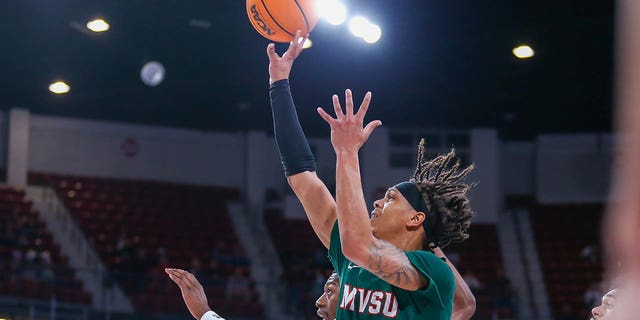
point(178, 218)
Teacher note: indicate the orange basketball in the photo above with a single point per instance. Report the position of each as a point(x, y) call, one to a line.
point(278, 20)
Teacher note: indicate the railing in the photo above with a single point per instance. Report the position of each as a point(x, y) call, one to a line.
point(74, 244)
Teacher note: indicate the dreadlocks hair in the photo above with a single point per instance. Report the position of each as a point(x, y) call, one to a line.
point(440, 182)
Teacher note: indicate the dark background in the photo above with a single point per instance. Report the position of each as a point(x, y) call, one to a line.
point(438, 64)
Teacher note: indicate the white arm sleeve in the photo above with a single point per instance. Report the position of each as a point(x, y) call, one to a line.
point(210, 315)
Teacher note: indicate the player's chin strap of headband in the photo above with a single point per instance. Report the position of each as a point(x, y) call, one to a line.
point(410, 192)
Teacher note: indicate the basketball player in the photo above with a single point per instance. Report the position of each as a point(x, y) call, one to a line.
point(385, 264)
point(464, 303)
point(607, 309)
point(327, 304)
point(621, 233)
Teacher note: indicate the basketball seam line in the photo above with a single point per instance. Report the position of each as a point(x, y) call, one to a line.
point(274, 19)
point(304, 16)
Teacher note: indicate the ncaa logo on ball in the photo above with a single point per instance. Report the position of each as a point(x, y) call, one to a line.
point(259, 22)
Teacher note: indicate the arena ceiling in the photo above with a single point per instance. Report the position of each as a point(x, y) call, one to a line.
point(438, 64)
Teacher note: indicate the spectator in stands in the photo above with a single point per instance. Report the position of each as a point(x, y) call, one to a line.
point(25, 230)
point(504, 296)
point(591, 253)
point(157, 280)
point(45, 268)
point(29, 270)
point(237, 256)
point(6, 232)
point(195, 267)
point(214, 274)
point(141, 261)
point(454, 257)
point(122, 253)
point(220, 253)
point(608, 309)
point(393, 244)
point(472, 281)
point(238, 286)
point(15, 266)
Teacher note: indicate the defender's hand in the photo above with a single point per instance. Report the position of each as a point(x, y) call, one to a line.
point(347, 133)
point(192, 291)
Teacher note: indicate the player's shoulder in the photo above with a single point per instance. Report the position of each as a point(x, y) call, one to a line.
point(425, 255)
point(436, 266)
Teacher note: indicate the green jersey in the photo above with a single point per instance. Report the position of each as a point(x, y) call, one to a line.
point(365, 296)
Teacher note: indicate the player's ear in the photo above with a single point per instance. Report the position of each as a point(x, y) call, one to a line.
point(416, 220)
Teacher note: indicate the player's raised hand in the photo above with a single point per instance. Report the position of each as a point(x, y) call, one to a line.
point(192, 291)
point(347, 132)
point(280, 67)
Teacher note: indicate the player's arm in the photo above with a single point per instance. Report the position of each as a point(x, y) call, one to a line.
point(297, 159)
point(377, 256)
point(464, 303)
point(193, 294)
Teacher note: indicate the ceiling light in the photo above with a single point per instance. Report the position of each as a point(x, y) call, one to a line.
point(359, 26)
point(59, 87)
point(372, 34)
point(332, 10)
point(152, 73)
point(523, 52)
point(98, 25)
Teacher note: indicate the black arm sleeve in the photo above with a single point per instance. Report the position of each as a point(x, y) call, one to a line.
point(295, 152)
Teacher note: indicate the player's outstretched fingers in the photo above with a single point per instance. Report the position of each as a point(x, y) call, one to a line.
point(185, 277)
point(324, 115)
point(177, 277)
point(348, 101)
point(294, 48)
point(271, 52)
point(371, 126)
point(191, 279)
point(364, 106)
point(174, 278)
point(337, 108)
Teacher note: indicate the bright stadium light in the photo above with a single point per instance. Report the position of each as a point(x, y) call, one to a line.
point(332, 10)
point(307, 44)
point(523, 52)
point(372, 34)
point(359, 26)
point(98, 25)
point(59, 87)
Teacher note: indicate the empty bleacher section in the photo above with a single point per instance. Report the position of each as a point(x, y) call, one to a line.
point(567, 238)
point(140, 227)
point(479, 261)
point(31, 265)
point(304, 260)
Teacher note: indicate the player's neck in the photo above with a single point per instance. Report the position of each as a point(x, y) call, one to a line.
point(408, 241)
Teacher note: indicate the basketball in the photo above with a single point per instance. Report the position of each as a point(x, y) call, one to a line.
point(278, 20)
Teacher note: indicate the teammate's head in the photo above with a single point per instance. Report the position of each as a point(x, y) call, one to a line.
point(327, 303)
point(433, 203)
point(607, 309)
